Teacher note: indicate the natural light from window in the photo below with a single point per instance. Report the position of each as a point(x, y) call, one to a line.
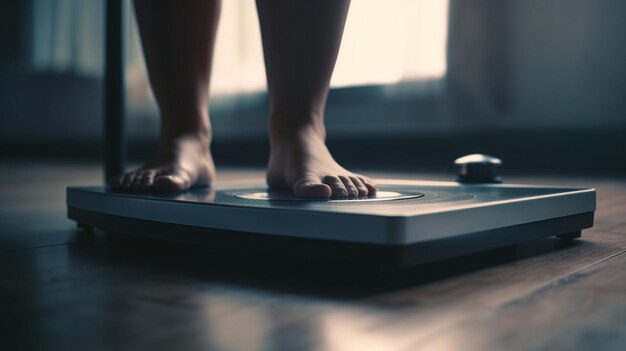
point(385, 42)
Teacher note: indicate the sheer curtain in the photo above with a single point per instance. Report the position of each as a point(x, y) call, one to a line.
point(396, 47)
point(67, 36)
point(385, 42)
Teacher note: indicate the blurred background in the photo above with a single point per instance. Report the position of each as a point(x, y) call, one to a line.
point(538, 83)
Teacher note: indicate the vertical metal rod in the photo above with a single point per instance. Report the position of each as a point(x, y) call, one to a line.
point(114, 91)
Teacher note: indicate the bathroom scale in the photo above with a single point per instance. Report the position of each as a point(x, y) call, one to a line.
point(408, 222)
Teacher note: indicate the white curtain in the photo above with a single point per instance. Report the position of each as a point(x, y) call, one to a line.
point(385, 42)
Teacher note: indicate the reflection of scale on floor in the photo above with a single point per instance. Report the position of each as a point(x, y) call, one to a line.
point(408, 222)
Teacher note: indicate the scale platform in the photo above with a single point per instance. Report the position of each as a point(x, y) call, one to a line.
point(409, 222)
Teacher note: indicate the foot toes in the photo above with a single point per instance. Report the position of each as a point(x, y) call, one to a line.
point(171, 182)
point(312, 188)
point(136, 185)
point(146, 180)
point(128, 180)
point(135, 181)
point(363, 192)
point(353, 192)
point(338, 188)
point(372, 188)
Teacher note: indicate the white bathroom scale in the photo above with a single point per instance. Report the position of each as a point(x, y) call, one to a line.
point(409, 221)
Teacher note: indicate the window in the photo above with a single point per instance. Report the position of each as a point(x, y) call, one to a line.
point(384, 42)
point(396, 45)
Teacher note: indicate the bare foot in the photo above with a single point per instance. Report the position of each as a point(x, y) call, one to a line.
point(179, 164)
point(303, 164)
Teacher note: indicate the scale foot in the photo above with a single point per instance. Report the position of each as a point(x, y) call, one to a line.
point(569, 236)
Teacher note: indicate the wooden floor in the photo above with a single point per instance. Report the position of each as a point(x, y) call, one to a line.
point(69, 291)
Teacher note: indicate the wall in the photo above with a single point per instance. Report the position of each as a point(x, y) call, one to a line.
point(568, 62)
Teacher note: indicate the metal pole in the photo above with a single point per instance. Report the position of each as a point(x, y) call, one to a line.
point(114, 92)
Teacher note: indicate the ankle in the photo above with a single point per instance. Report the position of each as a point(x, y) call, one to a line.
point(296, 134)
point(199, 134)
point(173, 141)
point(293, 127)
point(185, 125)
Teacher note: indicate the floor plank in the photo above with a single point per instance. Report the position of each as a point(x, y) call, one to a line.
point(585, 310)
